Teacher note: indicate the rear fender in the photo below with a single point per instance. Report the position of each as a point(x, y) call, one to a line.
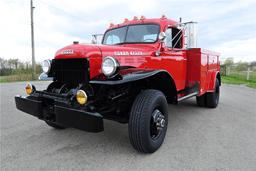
point(210, 83)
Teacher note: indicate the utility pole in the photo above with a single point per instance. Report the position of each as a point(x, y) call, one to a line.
point(32, 42)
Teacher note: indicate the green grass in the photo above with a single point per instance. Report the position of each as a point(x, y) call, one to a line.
point(17, 78)
point(240, 79)
point(3, 81)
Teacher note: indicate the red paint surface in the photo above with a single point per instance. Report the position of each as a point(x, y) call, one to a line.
point(185, 66)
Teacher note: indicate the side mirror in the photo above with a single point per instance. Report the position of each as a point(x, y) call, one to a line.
point(161, 36)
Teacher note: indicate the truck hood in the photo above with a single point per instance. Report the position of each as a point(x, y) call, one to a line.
point(97, 50)
point(126, 50)
point(78, 51)
point(127, 55)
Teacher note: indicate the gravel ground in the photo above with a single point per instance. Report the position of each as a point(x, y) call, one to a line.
point(197, 138)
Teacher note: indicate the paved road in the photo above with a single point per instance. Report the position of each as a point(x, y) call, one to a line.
point(197, 138)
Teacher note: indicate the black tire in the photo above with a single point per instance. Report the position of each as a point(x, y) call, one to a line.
point(54, 125)
point(212, 99)
point(201, 101)
point(148, 110)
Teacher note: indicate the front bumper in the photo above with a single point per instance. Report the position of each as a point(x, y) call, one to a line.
point(83, 120)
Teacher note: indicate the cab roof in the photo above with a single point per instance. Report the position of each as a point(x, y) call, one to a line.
point(161, 21)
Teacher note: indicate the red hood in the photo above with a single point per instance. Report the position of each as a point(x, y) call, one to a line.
point(127, 55)
point(78, 51)
point(98, 50)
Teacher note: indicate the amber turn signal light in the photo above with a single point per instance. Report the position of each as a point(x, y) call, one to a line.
point(81, 97)
point(30, 88)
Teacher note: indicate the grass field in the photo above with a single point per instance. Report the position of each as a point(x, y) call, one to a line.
point(240, 78)
point(15, 78)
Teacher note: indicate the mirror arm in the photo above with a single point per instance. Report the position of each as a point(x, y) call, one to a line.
point(162, 47)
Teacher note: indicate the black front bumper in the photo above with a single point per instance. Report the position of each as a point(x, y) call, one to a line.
point(83, 120)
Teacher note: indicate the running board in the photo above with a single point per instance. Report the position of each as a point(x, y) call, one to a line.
point(188, 96)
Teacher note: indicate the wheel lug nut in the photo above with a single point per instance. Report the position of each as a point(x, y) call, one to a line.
point(159, 129)
point(158, 124)
point(158, 119)
point(161, 116)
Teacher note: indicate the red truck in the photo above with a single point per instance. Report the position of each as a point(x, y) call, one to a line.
point(140, 66)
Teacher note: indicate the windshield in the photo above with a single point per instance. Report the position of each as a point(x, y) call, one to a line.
point(146, 33)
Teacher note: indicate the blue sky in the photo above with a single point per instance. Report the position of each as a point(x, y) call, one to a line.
point(228, 27)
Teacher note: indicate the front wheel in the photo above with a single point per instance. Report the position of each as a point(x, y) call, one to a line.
point(148, 121)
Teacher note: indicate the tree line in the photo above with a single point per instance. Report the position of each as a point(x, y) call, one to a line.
point(240, 65)
point(230, 62)
point(18, 67)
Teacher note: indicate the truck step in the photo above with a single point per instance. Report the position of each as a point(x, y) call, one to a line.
point(187, 96)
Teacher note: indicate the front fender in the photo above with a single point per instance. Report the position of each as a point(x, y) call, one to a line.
point(159, 79)
point(124, 76)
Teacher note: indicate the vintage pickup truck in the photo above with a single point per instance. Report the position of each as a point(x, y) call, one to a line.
point(140, 66)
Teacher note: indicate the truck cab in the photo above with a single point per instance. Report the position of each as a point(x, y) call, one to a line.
point(139, 68)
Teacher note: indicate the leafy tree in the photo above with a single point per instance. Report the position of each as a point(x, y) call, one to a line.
point(22, 66)
point(241, 66)
point(16, 62)
point(3, 63)
point(229, 61)
point(10, 63)
point(39, 69)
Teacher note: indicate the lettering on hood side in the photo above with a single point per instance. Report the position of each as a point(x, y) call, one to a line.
point(127, 53)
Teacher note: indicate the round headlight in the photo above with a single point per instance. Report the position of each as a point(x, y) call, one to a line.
point(47, 66)
point(30, 88)
point(81, 97)
point(109, 66)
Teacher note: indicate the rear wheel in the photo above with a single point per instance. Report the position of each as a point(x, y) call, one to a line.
point(212, 99)
point(201, 101)
point(54, 125)
point(148, 121)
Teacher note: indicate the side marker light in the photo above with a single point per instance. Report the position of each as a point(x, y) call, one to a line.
point(163, 17)
point(142, 17)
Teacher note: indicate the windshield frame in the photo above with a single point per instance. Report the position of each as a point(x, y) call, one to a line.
point(127, 32)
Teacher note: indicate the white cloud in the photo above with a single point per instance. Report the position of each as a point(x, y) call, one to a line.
point(227, 27)
point(239, 49)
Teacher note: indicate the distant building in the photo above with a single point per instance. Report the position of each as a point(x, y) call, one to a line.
point(253, 63)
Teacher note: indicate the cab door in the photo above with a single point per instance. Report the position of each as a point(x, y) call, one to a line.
point(174, 58)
